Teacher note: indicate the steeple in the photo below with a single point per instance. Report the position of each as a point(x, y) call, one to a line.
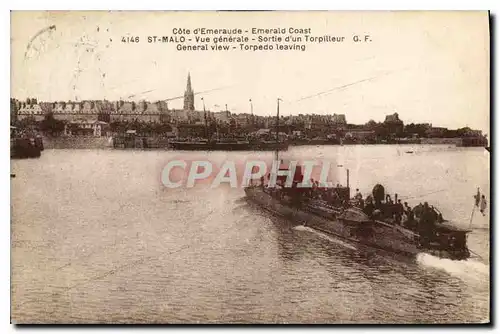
point(189, 95)
point(188, 87)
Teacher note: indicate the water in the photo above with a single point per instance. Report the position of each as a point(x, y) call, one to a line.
point(96, 238)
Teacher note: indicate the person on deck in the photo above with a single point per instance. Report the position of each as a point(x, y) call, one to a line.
point(388, 199)
point(426, 224)
point(369, 207)
point(399, 212)
point(358, 195)
point(408, 211)
point(358, 198)
point(336, 199)
point(418, 210)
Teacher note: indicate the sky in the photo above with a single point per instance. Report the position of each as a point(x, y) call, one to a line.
point(430, 67)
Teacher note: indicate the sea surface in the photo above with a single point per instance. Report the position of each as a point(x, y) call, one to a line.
point(97, 238)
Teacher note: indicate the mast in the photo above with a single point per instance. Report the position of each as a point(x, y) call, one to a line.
point(205, 117)
point(251, 114)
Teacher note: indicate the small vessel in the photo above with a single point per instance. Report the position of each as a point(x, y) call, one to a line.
point(232, 144)
point(269, 145)
point(476, 141)
point(227, 145)
point(192, 145)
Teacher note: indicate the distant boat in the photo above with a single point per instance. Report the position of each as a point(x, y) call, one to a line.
point(23, 146)
point(409, 152)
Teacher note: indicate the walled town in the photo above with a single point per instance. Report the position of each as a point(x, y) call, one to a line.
point(102, 118)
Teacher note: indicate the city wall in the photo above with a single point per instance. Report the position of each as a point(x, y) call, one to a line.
point(77, 142)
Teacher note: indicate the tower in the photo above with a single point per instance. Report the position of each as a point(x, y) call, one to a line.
point(189, 95)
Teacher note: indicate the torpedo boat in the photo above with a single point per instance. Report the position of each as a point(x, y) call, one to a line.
point(378, 227)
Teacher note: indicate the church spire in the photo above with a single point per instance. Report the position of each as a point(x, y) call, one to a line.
point(189, 95)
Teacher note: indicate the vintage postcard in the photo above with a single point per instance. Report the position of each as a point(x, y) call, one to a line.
point(250, 167)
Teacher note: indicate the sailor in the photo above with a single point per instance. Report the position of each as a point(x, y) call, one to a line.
point(399, 211)
point(313, 188)
point(361, 203)
point(388, 199)
point(418, 210)
point(408, 211)
point(426, 223)
point(369, 207)
point(336, 199)
point(483, 205)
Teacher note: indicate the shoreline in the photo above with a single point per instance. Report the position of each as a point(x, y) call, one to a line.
point(107, 143)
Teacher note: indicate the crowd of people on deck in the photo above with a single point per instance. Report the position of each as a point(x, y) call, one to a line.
point(396, 211)
point(422, 217)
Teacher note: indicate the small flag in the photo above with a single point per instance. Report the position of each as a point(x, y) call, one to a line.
point(477, 197)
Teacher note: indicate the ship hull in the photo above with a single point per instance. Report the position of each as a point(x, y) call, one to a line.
point(270, 146)
point(242, 146)
point(190, 146)
point(227, 146)
point(378, 235)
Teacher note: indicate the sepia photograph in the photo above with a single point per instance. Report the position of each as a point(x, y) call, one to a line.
point(250, 167)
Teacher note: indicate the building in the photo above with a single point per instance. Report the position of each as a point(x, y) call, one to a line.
point(189, 95)
point(436, 132)
point(394, 124)
point(468, 132)
point(178, 115)
point(222, 116)
point(360, 134)
point(28, 110)
point(71, 111)
point(339, 119)
point(394, 118)
point(84, 127)
point(137, 112)
point(242, 120)
point(191, 130)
